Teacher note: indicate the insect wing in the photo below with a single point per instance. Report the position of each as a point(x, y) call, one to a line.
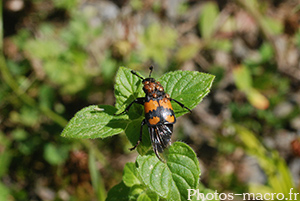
point(161, 138)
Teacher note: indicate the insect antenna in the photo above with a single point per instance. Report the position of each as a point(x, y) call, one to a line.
point(133, 72)
point(151, 69)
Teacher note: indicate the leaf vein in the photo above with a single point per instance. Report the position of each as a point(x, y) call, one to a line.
point(186, 168)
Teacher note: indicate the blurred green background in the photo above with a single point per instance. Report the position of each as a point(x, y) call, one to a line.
point(59, 56)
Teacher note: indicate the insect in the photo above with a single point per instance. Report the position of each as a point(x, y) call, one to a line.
point(159, 113)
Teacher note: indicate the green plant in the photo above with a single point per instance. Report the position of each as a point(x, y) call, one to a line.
point(279, 179)
point(209, 27)
point(148, 178)
point(157, 42)
point(61, 53)
point(243, 81)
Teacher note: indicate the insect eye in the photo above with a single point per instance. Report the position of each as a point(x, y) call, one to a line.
point(146, 82)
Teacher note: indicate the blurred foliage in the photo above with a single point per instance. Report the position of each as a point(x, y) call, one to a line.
point(60, 56)
point(279, 179)
point(157, 41)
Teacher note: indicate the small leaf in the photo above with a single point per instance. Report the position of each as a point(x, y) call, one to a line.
point(133, 133)
point(183, 163)
point(130, 175)
point(243, 81)
point(258, 100)
point(128, 87)
point(266, 52)
point(4, 192)
point(136, 4)
point(242, 78)
point(120, 192)
point(55, 155)
point(19, 134)
point(187, 52)
point(274, 26)
point(208, 19)
point(148, 196)
point(5, 159)
point(155, 174)
point(46, 96)
point(220, 44)
point(171, 180)
point(135, 192)
point(157, 42)
point(187, 87)
point(89, 123)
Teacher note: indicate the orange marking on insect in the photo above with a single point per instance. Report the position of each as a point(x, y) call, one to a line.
point(166, 103)
point(151, 105)
point(170, 118)
point(154, 120)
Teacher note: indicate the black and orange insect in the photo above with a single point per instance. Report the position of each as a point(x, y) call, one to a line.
point(159, 113)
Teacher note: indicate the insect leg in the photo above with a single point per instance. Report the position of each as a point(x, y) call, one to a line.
point(141, 134)
point(138, 100)
point(182, 105)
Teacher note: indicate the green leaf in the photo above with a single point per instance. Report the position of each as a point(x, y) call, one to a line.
point(130, 175)
point(157, 42)
point(4, 192)
point(128, 87)
point(243, 81)
point(110, 67)
point(19, 134)
point(148, 196)
point(220, 44)
point(92, 123)
point(274, 26)
point(133, 133)
point(171, 180)
point(242, 78)
point(266, 52)
point(67, 4)
point(187, 87)
point(44, 49)
point(55, 155)
point(187, 52)
point(136, 4)
point(29, 115)
point(119, 192)
point(5, 159)
point(257, 99)
point(46, 96)
point(135, 192)
point(208, 20)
